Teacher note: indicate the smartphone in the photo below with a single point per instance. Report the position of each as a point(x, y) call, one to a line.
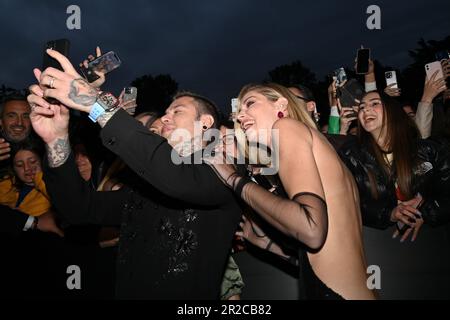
point(391, 78)
point(62, 46)
point(340, 76)
point(105, 64)
point(130, 93)
point(362, 61)
point(352, 114)
point(432, 67)
point(234, 105)
point(350, 94)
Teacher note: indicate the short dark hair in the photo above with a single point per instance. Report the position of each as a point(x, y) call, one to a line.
point(204, 106)
point(153, 116)
point(305, 91)
point(15, 96)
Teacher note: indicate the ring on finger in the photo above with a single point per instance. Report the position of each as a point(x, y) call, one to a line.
point(52, 81)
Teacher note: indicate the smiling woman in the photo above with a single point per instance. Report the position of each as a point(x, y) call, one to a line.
point(404, 183)
point(315, 205)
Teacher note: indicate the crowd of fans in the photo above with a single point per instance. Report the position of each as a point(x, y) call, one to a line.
point(113, 199)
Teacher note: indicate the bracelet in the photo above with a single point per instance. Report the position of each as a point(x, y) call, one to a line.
point(242, 182)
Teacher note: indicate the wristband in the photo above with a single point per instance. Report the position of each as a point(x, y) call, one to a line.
point(242, 182)
point(96, 111)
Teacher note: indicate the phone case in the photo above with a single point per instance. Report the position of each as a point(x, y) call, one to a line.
point(351, 91)
point(130, 93)
point(431, 68)
point(362, 61)
point(391, 78)
point(62, 46)
point(105, 63)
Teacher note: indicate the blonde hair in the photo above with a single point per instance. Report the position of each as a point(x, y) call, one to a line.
point(272, 91)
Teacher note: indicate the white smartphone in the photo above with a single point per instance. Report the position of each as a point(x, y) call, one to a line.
point(391, 78)
point(130, 93)
point(234, 105)
point(432, 67)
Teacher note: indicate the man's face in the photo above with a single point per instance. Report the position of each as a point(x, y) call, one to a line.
point(181, 116)
point(15, 121)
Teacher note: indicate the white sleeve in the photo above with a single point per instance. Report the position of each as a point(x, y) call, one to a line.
point(29, 223)
point(370, 86)
point(424, 118)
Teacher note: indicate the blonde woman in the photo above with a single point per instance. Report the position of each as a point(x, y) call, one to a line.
point(321, 206)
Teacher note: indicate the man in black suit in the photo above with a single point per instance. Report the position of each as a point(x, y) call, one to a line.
point(177, 220)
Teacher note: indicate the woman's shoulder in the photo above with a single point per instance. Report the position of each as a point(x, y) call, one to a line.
point(292, 130)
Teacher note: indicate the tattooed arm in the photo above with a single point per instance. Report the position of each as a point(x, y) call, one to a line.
point(58, 151)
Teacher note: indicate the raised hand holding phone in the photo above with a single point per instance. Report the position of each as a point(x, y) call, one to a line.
point(95, 77)
point(68, 87)
point(127, 100)
point(433, 87)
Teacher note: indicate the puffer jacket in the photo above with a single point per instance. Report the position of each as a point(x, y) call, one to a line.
point(431, 178)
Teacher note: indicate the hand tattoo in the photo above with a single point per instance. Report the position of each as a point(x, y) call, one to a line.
point(82, 93)
point(58, 152)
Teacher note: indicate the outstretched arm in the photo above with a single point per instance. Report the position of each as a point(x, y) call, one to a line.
point(303, 216)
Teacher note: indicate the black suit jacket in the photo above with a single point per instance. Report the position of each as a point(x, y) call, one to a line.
point(177, 221)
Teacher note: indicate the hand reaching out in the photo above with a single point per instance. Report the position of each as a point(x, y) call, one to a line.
point(101, 80)
point(432, 88)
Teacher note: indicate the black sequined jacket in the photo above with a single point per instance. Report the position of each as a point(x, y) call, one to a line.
point(431, 178)
point(177, 221)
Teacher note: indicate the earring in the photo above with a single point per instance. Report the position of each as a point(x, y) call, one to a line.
point(280, 114)
point(205, 127)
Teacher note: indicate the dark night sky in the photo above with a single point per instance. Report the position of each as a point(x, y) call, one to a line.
point(214, 47)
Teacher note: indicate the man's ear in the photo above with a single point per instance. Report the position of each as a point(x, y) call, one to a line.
point(207, 120)
point(311, 106)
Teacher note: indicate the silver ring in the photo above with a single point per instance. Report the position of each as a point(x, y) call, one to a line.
point(51, 83)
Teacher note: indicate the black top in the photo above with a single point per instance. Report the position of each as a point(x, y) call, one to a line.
point(177, 221)
point(431, 178)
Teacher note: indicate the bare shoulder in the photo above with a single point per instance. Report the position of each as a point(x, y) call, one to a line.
point(293, 130)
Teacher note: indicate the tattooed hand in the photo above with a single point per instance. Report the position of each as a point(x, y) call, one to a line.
point(67, 87)
point(51, 123)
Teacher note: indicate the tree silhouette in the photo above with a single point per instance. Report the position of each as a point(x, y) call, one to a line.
point(8, 91)
point(294, 73)
point(154, 93)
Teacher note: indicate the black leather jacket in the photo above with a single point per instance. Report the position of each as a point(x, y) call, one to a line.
point(431, 178)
